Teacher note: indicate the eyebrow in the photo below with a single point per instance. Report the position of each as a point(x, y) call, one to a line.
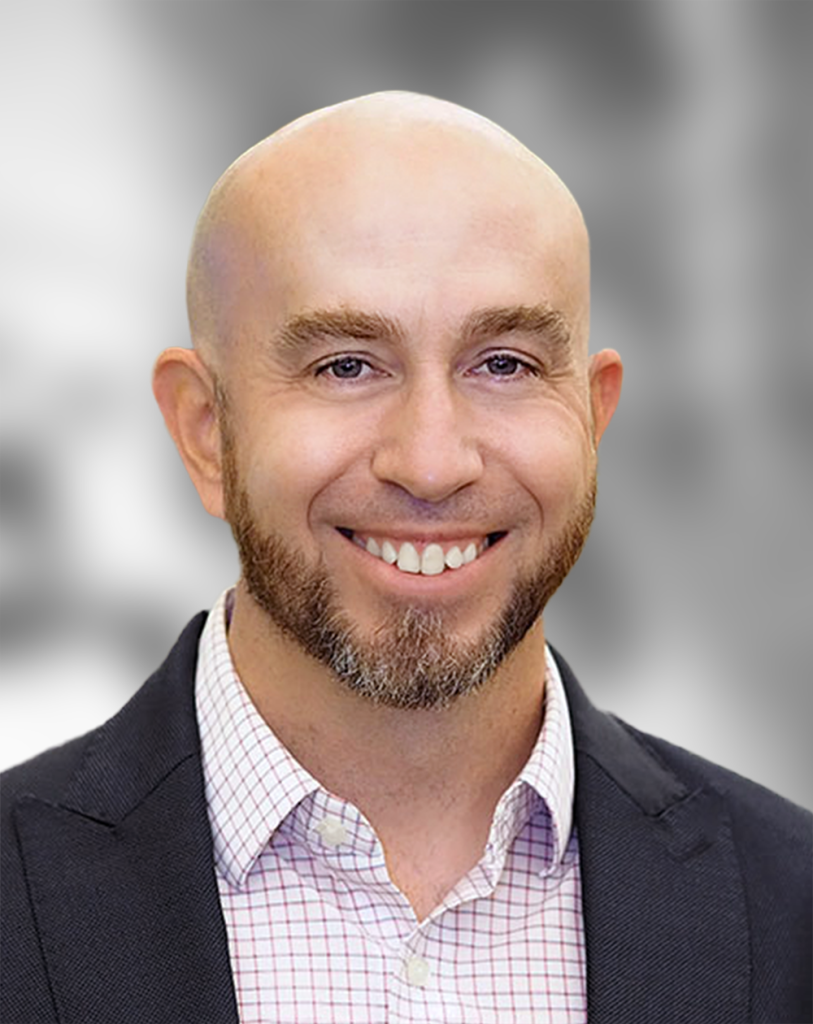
point(542, 321)
point(305, 329)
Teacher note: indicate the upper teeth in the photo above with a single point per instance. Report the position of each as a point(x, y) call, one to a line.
point(431, 562)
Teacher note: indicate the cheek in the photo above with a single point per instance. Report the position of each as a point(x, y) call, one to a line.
point(294, 456)
point(553, 461)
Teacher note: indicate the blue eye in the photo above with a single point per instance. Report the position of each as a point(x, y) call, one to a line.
point(344, 369)
point(503, 365)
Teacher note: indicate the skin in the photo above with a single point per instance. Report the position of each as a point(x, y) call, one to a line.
point(423, 213)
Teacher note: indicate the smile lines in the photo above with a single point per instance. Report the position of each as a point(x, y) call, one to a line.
point(432, 561)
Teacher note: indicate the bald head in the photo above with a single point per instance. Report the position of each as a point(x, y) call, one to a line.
point(390, 304)
point(371, 163)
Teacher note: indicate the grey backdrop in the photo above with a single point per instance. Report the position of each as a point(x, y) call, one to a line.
point(684, 131)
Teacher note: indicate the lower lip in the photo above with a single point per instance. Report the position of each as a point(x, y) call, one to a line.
point(416, 584)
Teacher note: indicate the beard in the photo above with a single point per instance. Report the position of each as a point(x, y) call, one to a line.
point(412, 661)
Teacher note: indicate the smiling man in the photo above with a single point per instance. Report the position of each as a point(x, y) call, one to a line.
point(363, 788)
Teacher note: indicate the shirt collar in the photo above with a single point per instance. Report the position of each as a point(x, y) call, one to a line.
point(253, 783)
point(547, 781)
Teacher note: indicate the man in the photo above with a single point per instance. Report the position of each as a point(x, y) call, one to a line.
point(363, 788)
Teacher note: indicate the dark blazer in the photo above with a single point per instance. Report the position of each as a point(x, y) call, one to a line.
point(696, 883)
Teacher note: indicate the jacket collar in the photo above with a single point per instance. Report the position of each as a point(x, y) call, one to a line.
point(664, 907)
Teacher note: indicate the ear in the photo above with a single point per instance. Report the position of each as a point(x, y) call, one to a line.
point(185, 392)
point(606, 373)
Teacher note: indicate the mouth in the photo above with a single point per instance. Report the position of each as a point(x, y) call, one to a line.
point(424, 557)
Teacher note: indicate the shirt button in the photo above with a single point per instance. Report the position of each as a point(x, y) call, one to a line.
point(417, 971)
point(332, 832)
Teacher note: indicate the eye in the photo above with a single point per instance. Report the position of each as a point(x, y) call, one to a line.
point(345, 368)
point(502, 364)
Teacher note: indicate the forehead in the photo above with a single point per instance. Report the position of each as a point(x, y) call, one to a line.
point(426, 230)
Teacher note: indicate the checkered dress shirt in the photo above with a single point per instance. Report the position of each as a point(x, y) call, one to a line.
point(318, 932)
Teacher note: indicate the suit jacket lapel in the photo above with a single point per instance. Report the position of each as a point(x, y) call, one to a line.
point(664, 908)
point(120, 868)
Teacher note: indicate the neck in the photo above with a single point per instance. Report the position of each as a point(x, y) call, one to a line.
point(428, 781)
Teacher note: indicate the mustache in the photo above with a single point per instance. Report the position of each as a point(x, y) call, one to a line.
point(463, 508)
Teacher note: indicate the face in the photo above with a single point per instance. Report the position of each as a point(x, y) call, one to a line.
point(408, 451)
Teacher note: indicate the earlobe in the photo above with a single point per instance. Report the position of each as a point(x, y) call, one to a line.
point(606, 373)
point(185, 391)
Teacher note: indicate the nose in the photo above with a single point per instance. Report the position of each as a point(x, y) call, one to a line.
point(427, 444)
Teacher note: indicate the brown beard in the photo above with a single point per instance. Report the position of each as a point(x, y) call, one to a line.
point(411, 661)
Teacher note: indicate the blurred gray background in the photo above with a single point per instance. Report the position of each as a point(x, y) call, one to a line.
point(682, 128)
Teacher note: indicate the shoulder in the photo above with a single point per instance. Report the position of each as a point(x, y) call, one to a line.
point(106, 772)
point(154, 720)
point(46, 774)
point(671, 841)
point(772, 841)
point(59, 810)
point(628, 781)
point(758, 815)
point(657, 774)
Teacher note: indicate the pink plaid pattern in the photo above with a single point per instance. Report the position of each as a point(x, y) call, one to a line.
point(318, 932)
